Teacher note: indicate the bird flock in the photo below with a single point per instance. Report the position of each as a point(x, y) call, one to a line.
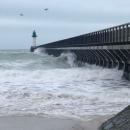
point(21, 14)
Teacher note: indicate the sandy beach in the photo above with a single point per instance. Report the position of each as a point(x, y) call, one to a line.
point(48, 123)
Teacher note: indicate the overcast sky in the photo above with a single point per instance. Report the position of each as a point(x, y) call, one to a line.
point(65, 18)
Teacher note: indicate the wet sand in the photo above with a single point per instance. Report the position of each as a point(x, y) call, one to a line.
point(49, 123)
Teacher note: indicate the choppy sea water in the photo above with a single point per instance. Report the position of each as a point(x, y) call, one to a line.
point(39, 84)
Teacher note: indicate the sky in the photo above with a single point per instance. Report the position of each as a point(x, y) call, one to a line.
point(64, 19)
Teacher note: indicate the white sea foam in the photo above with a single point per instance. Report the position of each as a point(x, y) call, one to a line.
point(42, 84)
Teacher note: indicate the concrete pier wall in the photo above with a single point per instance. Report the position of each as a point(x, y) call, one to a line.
point(108, 57)
point(121, 121)
point(127, 71)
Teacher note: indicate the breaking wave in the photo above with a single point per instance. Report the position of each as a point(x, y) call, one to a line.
point(36, 83)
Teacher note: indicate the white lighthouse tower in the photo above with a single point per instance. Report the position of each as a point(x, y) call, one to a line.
point(34, 36)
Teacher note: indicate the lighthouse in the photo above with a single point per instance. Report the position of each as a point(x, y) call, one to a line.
point(34, 36)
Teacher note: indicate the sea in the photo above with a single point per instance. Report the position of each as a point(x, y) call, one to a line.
point(41, 84)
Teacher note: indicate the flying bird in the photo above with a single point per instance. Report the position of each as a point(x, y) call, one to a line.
point(46, 9)
point(21, 14)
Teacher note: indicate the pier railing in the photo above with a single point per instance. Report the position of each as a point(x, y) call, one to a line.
point(115, 35)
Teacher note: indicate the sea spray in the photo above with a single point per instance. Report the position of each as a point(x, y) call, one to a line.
point(69, 58)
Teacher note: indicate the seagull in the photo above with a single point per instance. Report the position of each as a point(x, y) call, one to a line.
point(21, 14)
point(46, 9)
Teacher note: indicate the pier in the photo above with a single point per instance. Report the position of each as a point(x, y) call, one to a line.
point(107, 48)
